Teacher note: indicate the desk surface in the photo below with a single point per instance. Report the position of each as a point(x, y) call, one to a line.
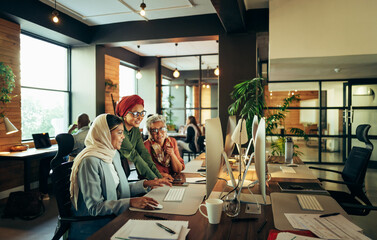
point(28, 153)
point(200, 228)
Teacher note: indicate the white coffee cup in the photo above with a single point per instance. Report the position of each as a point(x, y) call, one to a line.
point(214, 209)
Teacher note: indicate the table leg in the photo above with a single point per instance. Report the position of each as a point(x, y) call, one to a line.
point(26, 175)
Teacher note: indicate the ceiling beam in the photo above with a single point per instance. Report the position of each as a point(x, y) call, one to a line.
point(231, 14)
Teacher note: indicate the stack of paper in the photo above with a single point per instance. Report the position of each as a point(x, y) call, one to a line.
point(332, 227)
point(290, 236)
point(148, 229)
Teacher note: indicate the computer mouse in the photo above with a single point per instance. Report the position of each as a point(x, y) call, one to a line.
point(293, 186)
point(158, 207)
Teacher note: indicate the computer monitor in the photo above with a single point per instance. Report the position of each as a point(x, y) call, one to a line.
point(260, 157)
point(214, 148)
point(229, 143)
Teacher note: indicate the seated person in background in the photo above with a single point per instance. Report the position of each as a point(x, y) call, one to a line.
point(192, 136)
point(163, 149)
point(83, 127)
point(99, 185)
point(131, 109)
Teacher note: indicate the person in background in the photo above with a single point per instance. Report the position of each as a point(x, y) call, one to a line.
point(131, 109)
point(163, 149)
point(99, 185)
point(190, 144)
point(82, 127)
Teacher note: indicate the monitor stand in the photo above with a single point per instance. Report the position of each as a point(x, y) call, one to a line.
point(245, 184)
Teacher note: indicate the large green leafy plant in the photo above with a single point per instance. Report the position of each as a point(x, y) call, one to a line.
point(7, 85)
point(249, 100)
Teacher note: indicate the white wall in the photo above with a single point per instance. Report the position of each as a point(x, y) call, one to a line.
point(307, 28)
point(84, 81)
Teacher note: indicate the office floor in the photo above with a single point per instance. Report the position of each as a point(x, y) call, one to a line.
point(44, 226)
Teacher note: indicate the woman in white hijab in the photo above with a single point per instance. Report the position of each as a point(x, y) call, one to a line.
point(99, 185)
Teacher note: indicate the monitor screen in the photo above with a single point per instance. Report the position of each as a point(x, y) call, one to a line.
point(260, 157)
point(214, 148)
point(229, 143)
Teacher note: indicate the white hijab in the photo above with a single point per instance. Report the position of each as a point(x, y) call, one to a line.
point(98, 144)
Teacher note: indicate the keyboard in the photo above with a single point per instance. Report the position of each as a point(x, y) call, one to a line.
point(309, 202)
point(174, 195)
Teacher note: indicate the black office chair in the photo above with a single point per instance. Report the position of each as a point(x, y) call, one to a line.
point(61, 181)
point(65, 146)
point(353, 174)
point(201, 145)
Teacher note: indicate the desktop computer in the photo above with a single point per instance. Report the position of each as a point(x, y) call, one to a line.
point(214, 148)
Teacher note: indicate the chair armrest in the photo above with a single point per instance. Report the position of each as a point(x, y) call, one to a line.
point(356, 206)
point(325, 169)
point(84, 218)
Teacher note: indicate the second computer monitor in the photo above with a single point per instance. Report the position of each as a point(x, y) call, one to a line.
point(214, 148)
point(260, 157)
point(229, 143)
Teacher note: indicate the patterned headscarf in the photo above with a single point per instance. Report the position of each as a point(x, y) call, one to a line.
point(98, 144)
point(127, 103)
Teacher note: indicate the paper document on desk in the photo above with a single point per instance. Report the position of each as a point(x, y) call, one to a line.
point(334, 227)
point(196, 180)
point(290, 236)
point(148, 229)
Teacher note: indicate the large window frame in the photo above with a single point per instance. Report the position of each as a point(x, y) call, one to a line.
point(160, 85)
point(67, 90)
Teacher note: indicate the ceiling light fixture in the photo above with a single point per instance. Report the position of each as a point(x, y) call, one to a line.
point(55, 15)
point(176, 72)
point(217, 71)
point(138, 73)
point(142, 6)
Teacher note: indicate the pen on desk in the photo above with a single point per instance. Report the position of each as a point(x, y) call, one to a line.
point(154, 217)
point(165, 228)
point(329, 215)
point(262, 226)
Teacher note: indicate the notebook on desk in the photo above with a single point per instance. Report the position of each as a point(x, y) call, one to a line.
point(301, 187)
point(41, 140)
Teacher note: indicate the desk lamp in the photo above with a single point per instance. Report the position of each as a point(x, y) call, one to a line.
point(9, 127)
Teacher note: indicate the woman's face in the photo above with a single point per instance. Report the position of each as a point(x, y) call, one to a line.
point(158, 132)
point(130, 120)
point(117, 136)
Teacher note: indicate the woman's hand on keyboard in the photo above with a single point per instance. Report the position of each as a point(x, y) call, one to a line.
point(143, 202)
point(167, 176)
point(157, 183)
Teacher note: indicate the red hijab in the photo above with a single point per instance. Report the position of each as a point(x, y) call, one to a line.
point(127, 103)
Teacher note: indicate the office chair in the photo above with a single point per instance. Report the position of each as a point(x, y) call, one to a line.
point(353, 174)
point(127, 169)
point(65, 146)
point(201, 140)
point(60, 177)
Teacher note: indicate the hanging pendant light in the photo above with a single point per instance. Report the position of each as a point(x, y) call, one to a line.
point(176, 73)
point(55, 15)
point(217, 71)
point(142, 6)
point(138, 73)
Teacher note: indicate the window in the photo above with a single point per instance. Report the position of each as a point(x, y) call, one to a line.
point(193, 93)
point(44, 87)
point(127, 81)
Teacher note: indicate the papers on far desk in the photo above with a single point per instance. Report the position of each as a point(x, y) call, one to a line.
point(192, 166)
point(148, 229)
point(196, 180)
point(333, 227)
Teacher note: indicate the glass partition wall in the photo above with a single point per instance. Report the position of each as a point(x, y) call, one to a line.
point(193, 93)
point(328, 112)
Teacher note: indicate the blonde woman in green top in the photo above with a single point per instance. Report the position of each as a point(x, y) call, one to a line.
point(131, 109)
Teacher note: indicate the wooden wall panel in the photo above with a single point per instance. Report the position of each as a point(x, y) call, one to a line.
point(111, 73)
point(10, 55)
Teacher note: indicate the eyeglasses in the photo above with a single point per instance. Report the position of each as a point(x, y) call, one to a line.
point(156, 130)
point(137, 114)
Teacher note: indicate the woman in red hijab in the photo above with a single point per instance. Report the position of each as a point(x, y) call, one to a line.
point(131, 109)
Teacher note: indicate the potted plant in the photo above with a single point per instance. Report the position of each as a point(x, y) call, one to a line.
point(7, 85)
point(169, 115)
point(249, 100)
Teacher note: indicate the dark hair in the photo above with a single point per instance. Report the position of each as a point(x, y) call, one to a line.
point(192, 120)
point(113, 121)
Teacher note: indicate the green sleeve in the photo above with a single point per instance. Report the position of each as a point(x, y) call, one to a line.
point(130, 151)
